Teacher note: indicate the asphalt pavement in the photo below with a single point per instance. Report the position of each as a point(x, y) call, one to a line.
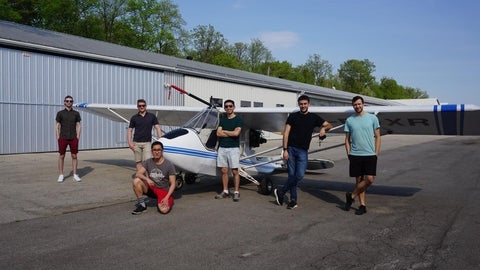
point(423, 213)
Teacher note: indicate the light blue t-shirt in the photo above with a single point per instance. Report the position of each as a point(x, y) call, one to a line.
point(362, 134)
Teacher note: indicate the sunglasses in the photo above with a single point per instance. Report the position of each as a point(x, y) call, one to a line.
point(141, 106)
point(228, 106)
point(68, 101)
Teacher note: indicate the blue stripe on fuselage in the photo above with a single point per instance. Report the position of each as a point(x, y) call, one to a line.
point(213, 155)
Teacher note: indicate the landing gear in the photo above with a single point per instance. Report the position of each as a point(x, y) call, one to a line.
point(266, 185)
point(190, 178)
point(179, 181)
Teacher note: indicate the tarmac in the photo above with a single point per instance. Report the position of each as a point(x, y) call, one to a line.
point(423, 213)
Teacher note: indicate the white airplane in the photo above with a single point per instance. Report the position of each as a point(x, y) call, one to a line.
point(192, 147)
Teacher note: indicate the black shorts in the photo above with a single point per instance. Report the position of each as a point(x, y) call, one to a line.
point(362, 165)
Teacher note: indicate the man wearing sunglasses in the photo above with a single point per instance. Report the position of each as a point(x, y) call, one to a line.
point(228, 133)
point(141, 126)
point(67, 131)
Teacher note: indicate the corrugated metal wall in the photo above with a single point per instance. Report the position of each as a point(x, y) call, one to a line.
point(205, 88)
point(33, 86)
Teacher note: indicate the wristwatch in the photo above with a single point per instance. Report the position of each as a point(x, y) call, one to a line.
point(284, 149)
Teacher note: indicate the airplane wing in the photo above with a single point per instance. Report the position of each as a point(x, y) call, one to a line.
point(448, 119)
point(166, 115)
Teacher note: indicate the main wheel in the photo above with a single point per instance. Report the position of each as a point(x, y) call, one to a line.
point(190, 178)
point(179, 182)
point(266, 186)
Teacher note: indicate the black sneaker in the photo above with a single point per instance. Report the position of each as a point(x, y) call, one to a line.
point(140, 209)
point(361, 210)
point(278, 196)
point(348, 201)
point(292, 204)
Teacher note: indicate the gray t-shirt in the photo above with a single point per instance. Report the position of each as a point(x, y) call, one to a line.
point(159, 172)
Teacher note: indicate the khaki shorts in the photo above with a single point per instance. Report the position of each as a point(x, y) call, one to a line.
point(142, 151)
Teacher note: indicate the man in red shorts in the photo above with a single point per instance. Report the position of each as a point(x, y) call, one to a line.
point(67, 131)
point(156, 176)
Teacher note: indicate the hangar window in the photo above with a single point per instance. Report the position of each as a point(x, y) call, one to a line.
point(280, 105)
point(257, 104)
point(244, 103)
point(216, 102)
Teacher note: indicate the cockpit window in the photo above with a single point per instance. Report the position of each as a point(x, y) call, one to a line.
point(206, 119)
point(175, 133)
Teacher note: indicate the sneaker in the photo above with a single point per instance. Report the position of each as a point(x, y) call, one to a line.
point(60, 178)
point(278, 196)
point(140, 209)
point(361, 210)
point(76, 178)
point(236, 197)
point(348, 201)
point(222, 195)
point(292, 204)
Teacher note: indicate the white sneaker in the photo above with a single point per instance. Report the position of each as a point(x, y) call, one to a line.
point(60, 178)
point(76, 178)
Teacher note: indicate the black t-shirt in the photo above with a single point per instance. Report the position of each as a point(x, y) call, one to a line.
point(302, 126)
point(143, 126)
point(68, 123)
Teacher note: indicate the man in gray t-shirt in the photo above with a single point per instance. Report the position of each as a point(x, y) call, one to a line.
point(156, 175)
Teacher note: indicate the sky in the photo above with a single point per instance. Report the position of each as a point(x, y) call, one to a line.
point(432, 45)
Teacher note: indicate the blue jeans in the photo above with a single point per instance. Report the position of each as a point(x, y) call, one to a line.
point(296, 167)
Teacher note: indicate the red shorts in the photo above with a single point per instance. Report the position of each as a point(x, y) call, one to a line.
point(63, 143)
point(160, 193)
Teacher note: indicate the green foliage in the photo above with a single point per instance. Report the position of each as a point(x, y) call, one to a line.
point(158, 26)
point(8, 13)
point(321, 69)
point(207, 43)
point(356, 76)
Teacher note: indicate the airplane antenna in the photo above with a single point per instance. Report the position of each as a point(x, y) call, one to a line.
point(188, 94)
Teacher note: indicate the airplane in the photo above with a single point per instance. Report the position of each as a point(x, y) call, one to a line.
point(192, 147)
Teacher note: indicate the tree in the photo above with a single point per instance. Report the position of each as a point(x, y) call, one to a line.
point(321, 70)
point(8, 13)
point(257, 54)
point(158, 25)
point(239, 51)
point(110, 12)
point(389, 89)
point(356, 76)
point(20, 11)
point(226, 60)
point(277, 69)
point(415, 93)
point(207, 43)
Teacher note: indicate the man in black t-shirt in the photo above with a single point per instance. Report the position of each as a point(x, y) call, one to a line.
point(296, 141)
point(141, 126)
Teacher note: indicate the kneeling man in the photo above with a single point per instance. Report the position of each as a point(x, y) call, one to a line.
point(156, 176)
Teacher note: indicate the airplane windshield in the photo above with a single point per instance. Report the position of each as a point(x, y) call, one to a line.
point(206, 119)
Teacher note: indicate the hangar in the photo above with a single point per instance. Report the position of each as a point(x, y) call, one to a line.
point(40, 67)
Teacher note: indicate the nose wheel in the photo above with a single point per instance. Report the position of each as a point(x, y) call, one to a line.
point(190, 178)
point(266, 186)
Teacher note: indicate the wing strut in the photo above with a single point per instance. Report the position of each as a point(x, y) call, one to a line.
point(118, 115)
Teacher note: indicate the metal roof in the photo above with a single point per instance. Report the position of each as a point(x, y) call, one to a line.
point(35, 39)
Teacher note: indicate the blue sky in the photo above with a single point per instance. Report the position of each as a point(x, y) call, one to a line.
point(433, 45)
